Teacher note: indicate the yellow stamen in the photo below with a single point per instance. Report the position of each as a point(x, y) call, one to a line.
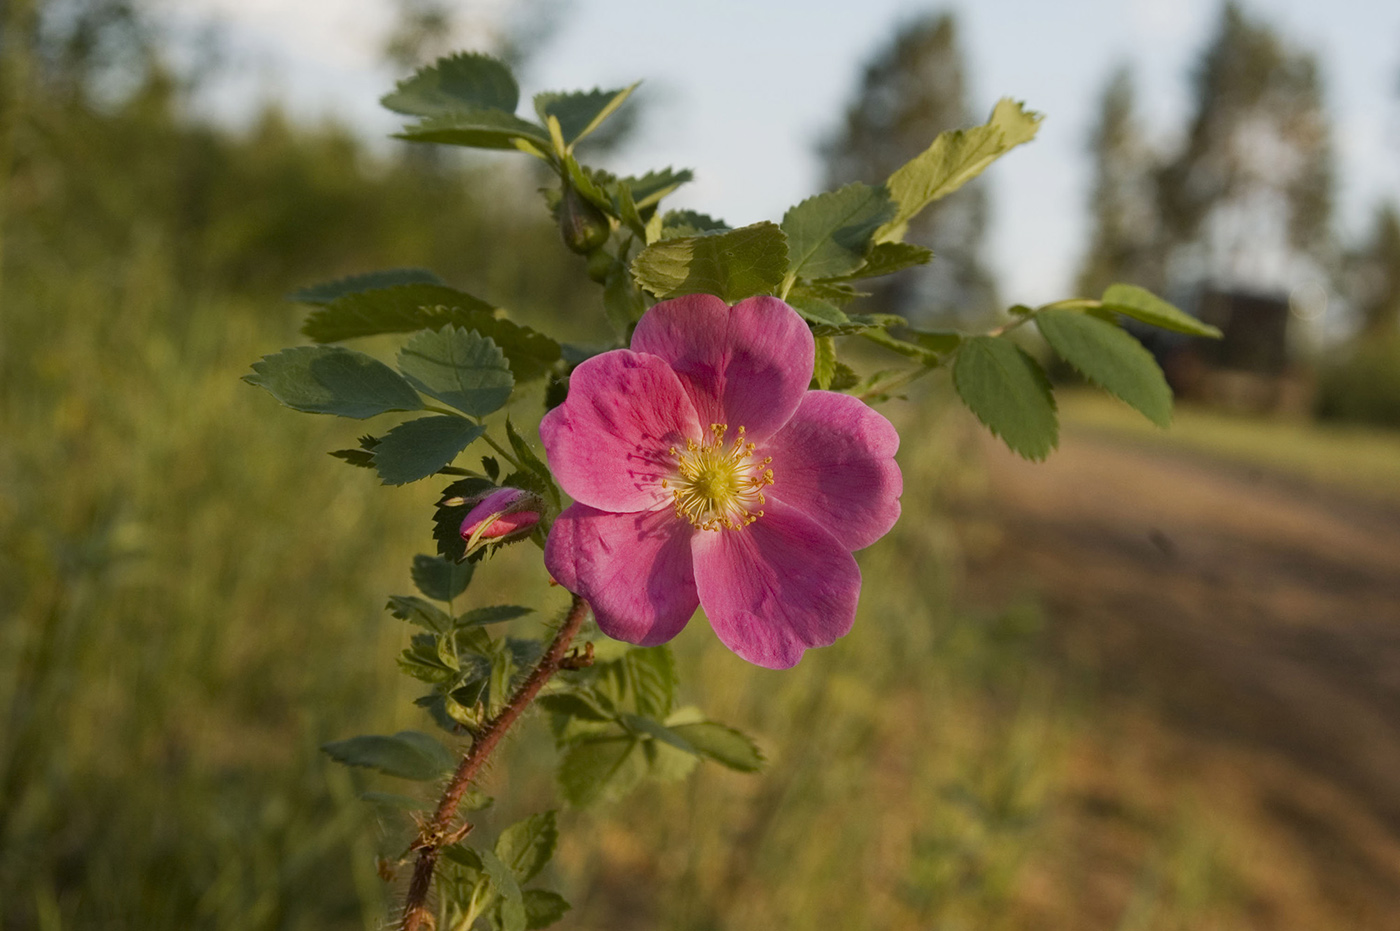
point(717, 488)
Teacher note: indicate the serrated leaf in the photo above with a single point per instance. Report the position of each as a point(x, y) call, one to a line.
point(543, 908)
point(392, 800)
point(953, 159)
point(1111, 359)
point(1009, 393)
point(528, 459)
point(459, 367)
point(689, 223)
point(361, 458)
point(652, 679)
point(465, 81)
point(333, 380)
point(939, 341)
point(526, 846)
point(396, 308)
point(1145, 307)
point(724, 745)
point(830, 234)
point(495, 614)
point(733, 265)
point(407, 755)
point(580, 112)
point(441, 579)
point(324, 293)
point(600, 768)
point(885, 258)
point(649, 189)
point(646, 727)
point(477, 129)
point(845, 377)
point(574, 705)
point(915, 351)
point(836, 293)
point(418, 448)
point(510, 910)
point(668, 763)
point(824, 370)
point(418, 612)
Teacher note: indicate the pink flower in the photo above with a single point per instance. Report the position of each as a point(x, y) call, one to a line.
point(504, 515)
point(704, 472)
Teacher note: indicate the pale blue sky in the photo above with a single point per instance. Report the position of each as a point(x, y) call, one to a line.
point(743, 91)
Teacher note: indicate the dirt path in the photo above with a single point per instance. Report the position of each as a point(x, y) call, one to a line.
point(1256, 622)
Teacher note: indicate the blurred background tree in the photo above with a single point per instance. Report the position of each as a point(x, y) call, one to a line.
point(913, 88)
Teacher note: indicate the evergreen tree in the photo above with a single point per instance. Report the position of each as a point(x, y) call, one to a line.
point(1126, 235)
point(912, 90)
point(1248, 201)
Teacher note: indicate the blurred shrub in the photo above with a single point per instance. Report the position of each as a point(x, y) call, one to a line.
point(1363, 385)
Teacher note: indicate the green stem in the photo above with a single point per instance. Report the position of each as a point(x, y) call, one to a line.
point(502, 450)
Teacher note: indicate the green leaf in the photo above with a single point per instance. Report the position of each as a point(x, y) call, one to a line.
point(1008, 392)
point(416, 611)
point(439, 578)
point(1111, 359)
point(953, 159)
point(477, 129)
point(844, 378)
point(495, 614)
point(526, 846)
point(649, 189)
point(511, 907)
point(689, 223)
point(333, 380)
point(829, 235)
point(362, 457)
point(580, 112)
point(733, 265)
point(1144, 306)
point(418, 448)
point(322, 294)
point(397, 308)
point(602, 768)
point(458, 367)
point(465, 81)
point(407, 754)
point(915, 351)
point(939, 341)
point(393, 800)
point(836, 293)
point(574, 705)
point(889, 257)
point(651, 673)
point(824, 370)
point(543, 908)
point(724, 745)
point(526, 456)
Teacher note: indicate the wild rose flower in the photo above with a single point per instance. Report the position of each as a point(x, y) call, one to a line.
point(504, 515)
point(704, 472)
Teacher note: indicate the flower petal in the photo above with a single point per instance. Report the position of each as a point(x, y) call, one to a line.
point(634, 570)
point(834, 462)
point(779, 586)
point(744, 365)
point(608, 442)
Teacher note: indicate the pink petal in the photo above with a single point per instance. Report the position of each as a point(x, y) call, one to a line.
point(634, 570)
point(744, 365)
point(834, 462)
point(608, 442)
point(779, 586)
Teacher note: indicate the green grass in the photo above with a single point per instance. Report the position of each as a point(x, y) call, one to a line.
point(1359, 458)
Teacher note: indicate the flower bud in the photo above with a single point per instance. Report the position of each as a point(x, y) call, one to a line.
point(583, 226)
point(504, 515)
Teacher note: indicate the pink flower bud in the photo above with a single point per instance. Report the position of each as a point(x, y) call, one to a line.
point(505, 514)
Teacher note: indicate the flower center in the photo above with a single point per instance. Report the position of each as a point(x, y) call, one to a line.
point(717, 488)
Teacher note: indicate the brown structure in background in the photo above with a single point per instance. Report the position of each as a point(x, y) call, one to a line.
point(1249, 368)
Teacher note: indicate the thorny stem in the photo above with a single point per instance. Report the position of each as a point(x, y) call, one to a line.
point(439, 831)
